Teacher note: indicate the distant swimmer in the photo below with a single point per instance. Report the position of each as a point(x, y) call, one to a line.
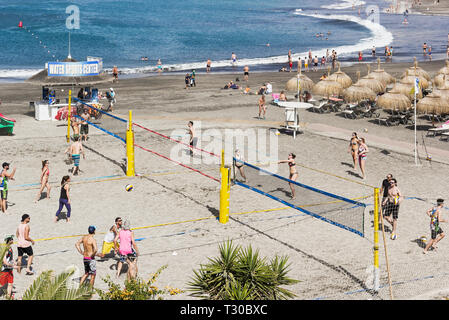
point(267, 44)
point(405, 21)
point(159, 65)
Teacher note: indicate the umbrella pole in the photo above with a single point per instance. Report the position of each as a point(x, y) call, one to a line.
point(416, 151)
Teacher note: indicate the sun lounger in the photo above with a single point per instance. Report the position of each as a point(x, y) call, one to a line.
point(434, 131)
point(6, 126)
point(445, 136)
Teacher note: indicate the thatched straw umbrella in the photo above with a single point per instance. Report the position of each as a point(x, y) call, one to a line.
point(327, 87)
point(305, 83)
point(443, 90)
point(356, 92)
point(409, 78)
point(406, 89)
point(444, 70)
point(419, 71)
point(381, 75)
point(440, 79)
point(372, 83)
point(341, 78)
point(433, 104)
point(394, 100)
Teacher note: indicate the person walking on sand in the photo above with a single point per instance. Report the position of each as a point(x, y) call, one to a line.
point(436, 233)
point(64, 198)
point(127, 251)
point(193, 139)
point(246, 73)
point(108, 242)
point(353, 148)
point(5, 177)
point(115, 74)
point(238, 161)
point(293, 173)
point(391, 205)
point(75, 150)
point(208, 65)
point(8, 265)
point(24, 244)
point(362, 151)
point(45, 174)
point(89, 252)
point(85, 125)
point(262, 107)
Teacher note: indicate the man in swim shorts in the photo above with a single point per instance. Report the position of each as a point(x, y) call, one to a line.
point(233, 59)
point(246, 73)
point(84, 125)
point(89, 252)
point(76, 127)
point(75, 150)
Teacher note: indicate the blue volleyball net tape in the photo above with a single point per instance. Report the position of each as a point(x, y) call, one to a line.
point(337, 210)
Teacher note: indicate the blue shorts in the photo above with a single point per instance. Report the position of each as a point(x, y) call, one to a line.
point(76, 159)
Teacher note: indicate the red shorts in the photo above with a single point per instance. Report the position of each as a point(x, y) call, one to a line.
point(291, 64)
point(6, 277)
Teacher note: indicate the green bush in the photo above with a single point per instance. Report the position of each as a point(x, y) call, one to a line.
point(241, 274)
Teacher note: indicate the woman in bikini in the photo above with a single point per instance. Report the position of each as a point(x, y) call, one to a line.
point(262, 106)
point(293, 173)
point(353, 148)
point(45, 173)
point(363, 150)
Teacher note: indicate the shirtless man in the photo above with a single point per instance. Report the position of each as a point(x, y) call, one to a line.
point(193, 139)
point(84, 125)
point(245, 73)
point(89, 252)
point(75, 150)
point(391, 205)
point(115, 74)
point(75, 127)
point(4, 180)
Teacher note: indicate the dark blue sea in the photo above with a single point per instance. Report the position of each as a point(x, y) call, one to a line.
point(184, 34)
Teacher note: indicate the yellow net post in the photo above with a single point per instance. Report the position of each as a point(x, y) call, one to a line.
point(130, 172)
point(69, 114)
point(376, 239)
point(225, 191)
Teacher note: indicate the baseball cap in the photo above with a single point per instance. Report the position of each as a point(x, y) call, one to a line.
point(91, 229)
point(440, 201)
point(5, 164)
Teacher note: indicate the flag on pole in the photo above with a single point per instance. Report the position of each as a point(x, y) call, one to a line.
point(416, 88)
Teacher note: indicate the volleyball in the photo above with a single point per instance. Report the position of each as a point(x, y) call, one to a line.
point(393, 236)
point(366, 130)
point(129, 187)
point(423, 239)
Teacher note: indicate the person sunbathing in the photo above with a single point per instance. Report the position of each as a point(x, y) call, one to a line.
point(282, 96)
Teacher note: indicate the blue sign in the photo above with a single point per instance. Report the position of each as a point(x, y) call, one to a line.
point(73, 69)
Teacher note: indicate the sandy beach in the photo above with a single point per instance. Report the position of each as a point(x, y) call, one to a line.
point(175, 209)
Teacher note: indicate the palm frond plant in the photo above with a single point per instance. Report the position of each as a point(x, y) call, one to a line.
point(50, 287)
point(241, 274)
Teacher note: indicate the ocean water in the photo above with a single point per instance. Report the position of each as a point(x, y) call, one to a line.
point(184, 34)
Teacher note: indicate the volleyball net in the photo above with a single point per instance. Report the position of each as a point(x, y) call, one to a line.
point(339, 211)
point(173, 149)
